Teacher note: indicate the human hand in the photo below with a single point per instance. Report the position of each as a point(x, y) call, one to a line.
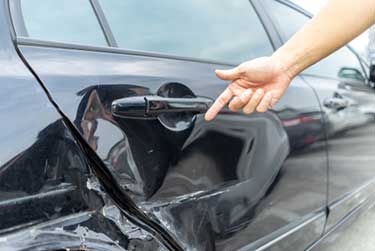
point(256, 84)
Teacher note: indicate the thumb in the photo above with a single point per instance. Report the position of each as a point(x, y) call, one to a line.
point(231, 74)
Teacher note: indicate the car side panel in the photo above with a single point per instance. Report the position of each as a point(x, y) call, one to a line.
point(350, 130)
point(237, 182)
point(49, 199)
point(351, 144)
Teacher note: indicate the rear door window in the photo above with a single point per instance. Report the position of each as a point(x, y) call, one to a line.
point(337, 64)
point(70, 21)
point(290, 21)
point(220, 30)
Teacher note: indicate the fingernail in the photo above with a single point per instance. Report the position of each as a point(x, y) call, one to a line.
point(207, 117)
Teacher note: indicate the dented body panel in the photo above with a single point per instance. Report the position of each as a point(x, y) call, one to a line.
point(214, 186)
point(74, 175)
point(49, 197)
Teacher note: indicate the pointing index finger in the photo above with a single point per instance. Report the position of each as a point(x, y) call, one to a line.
point(219, 103)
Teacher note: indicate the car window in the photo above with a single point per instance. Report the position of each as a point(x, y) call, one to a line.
point(221, 30)
point(71, 21)
point(341, 64)
point(288, 19)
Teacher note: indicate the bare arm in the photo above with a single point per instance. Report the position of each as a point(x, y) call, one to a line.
point(334, 26)
point(260, 83)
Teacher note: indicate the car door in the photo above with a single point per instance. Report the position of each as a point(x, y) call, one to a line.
point(46, 202)
point(349, 107)
point(348, 104)
point(137, 92)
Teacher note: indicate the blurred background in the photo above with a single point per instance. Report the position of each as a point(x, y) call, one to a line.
point(360, 235)
point(364, 44)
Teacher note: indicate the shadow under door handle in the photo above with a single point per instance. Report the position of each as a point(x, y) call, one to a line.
point(152, 106)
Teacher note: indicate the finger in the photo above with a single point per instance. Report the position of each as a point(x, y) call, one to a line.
point(236, 89)
point(274, 101)
point(231, 74)
point(265, 103)
point(220, 102)
point(241, 100)
point(254, 101)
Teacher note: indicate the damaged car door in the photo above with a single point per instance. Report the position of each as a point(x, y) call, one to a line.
point(135, 79)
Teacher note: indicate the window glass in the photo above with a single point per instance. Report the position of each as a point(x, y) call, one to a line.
point(341, 64)
point(222, 30)
point(71, 21)
point(288, 19)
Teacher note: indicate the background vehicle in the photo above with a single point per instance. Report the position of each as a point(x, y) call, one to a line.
point(104, 145)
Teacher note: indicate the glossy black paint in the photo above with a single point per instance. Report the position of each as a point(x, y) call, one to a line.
point(90, 179)
point(350, 128)
point(348, 110)
point(154, 106)
point(208, 195)
point(372, 74)
point(49, 197)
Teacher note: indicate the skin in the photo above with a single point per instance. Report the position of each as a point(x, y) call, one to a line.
point(258, 84)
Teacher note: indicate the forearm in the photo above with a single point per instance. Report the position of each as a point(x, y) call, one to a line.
point(335, 25)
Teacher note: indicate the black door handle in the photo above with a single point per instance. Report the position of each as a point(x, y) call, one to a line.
point(335, 103)
point(153, 106)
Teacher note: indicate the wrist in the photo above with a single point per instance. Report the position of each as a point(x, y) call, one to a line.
point(286, 61)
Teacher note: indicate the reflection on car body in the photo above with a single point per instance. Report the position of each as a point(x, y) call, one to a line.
point(79, 173)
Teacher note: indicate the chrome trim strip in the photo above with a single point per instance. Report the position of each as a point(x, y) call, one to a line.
point(284, 234)
point(60, 45)
point(16, 16)
point(355, 212)
point(341, 207)
point(103, 23)
point(37, 196)
point(32, 226)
